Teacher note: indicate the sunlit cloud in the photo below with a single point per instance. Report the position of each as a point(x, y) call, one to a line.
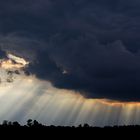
point(18, 60)
point(13, 62)
point(10, 67)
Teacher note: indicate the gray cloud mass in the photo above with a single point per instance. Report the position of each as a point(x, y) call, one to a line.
point(96, 43)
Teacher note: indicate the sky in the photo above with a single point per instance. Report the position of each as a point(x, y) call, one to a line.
point(70, 62)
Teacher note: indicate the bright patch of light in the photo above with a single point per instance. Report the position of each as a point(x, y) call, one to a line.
point(13, 62)
point(18, 59)
point(11, 67)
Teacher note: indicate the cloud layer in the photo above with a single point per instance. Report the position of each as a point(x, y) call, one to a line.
point(87, 45)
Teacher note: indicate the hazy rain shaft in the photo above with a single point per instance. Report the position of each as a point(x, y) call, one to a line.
point(55, 106)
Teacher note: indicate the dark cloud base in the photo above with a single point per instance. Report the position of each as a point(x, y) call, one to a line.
point(96, 43)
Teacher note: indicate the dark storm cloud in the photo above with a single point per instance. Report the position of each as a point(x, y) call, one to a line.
point(86, 45)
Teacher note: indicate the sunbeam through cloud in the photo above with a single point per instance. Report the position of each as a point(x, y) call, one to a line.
point(70, 62)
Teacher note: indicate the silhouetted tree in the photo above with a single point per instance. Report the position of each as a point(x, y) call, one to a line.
point(36, 123)
point(16, 124)
point(10, 123)
point(5, 123)
point(29, 123)
point(80, 126)
point(86, 126)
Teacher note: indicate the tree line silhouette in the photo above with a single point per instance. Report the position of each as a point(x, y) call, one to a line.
point(35, 124)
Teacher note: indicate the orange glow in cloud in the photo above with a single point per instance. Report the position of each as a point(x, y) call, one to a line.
point(115, 103)
point(18, 59)
point(13, 62)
